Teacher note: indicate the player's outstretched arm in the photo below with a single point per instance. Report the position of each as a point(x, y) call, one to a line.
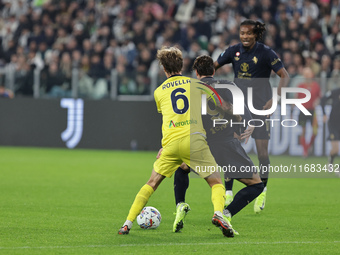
point(284, 80)
point(216, 65)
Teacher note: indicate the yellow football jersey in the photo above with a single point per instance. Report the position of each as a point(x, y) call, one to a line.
point(179, 99)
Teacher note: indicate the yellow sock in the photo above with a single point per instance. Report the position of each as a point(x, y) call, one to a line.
point(218, 197)
point(141, 199)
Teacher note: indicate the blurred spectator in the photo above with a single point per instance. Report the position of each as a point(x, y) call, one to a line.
point(298, 60)
point(296, 75)
point(129, 51)
point(11, 49)
point(293, 7)
point(5, 93)
point(139, 35)
point(282, 19)
point(144, 61)
point(325, 24)
point(7, 32)
point(42, 49)
point(266, 6)
point(310, 9)
point(25, 79)
point(97, 73)
point(224, 22)
point(127, 85)
point(102, 36)
point(311, 61)
point(84, 82)
point(71, 45)
point(287, 58)
point(334, 81)
point(310, 84)
point(42, 32)
point(211, 10)
point(202, 26)
point(76, 58)
point(21, 70)
point(109, 65)
point(62, 36)
point(87, 47)
point(218, 50)
point(184, 11)
point(54, 82)
point(98, 49)
point(188, 36)
point(333, 38)
point(79, 34)
point(65, 67)
point(249, 8)
point(35, 60)
point(49, 36)
point(325, 73)
point(200, 4)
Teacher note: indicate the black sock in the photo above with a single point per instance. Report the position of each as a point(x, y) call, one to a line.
point(332, 159)
point(264, 170)
point(244, 197)
point(265, 181)
point(181, 184)
point(228, 184)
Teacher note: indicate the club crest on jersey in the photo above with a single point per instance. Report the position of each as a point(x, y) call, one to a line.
point(237, 56)
point(255, 60)
point(244, 67)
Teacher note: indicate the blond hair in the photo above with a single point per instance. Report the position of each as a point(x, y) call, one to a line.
point(171, 59)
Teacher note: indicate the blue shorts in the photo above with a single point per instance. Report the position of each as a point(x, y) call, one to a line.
point(261, 132)
point(232, 159)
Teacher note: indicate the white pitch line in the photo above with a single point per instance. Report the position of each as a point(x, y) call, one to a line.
point(164, 244)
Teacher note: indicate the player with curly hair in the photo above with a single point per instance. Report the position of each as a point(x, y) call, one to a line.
point(252, 63)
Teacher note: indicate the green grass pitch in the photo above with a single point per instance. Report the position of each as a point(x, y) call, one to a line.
point(58, 201)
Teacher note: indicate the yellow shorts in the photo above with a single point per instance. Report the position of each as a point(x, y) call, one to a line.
point(192, 150)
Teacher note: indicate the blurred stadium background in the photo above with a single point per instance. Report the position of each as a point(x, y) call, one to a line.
point(81, 74)
point(78, 70)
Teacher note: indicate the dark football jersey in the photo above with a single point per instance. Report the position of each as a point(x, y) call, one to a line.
point(221, 132)
point(252, 69)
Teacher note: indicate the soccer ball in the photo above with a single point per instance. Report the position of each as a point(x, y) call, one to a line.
point(149, 218)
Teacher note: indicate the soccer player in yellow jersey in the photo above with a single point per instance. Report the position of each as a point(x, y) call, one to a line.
point(179, 101)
